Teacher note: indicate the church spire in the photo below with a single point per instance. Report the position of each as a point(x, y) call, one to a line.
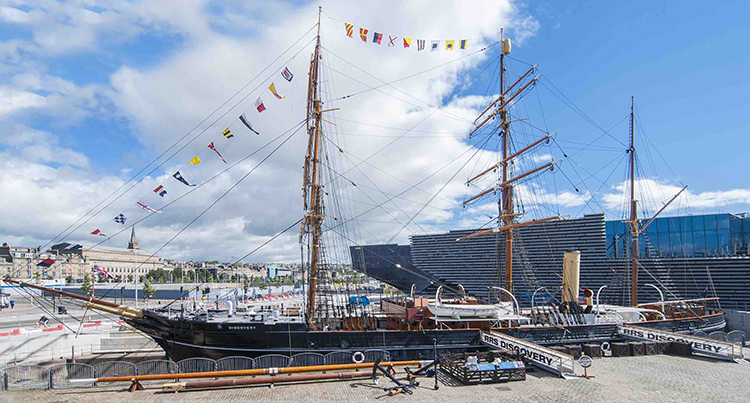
point(133, 244)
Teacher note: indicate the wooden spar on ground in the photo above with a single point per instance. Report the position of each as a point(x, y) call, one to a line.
point(92, 303)
point(247, 372)
point(175, 387)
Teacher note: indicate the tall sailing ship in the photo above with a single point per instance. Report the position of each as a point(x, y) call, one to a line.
point(409, 327)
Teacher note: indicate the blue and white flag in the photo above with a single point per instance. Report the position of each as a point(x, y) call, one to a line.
point(179, 177)
point(120, 219)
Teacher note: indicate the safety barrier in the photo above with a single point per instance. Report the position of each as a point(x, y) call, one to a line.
point(112, 369)
point(308, 359)
point(272, 361)
point(700, 333)
point(737, 336)
point(718, 335)
point(26, 377)
point(189, 365)
point(235, 363)
point(62, 376)
point(156, 367)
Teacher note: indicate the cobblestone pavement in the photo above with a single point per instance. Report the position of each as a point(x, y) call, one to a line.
point(629, 379)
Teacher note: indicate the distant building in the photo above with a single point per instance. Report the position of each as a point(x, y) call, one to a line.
point(691, 256)
point(274, 271)
point(76, 260)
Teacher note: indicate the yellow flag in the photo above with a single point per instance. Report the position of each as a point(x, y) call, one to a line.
point(272, 87)
point(407, 42)
point(195, 160)
point(449, 45)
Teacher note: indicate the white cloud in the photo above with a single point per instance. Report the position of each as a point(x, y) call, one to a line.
point(541, 158)
point(13, 100)
point(653, 194)
point(164, 100)
point(14, 15)
point(39, 146)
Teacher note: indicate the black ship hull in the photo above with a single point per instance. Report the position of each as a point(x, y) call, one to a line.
point(182, 338)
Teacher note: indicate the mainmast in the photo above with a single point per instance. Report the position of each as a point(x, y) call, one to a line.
point(505, 204)
point(506, 214)
point(312, 188)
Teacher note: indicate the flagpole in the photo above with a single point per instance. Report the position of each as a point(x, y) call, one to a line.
point(135, 277)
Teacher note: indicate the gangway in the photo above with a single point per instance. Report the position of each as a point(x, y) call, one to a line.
point(558, 363)
point(722, 350)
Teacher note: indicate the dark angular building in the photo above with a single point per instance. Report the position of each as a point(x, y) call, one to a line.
point(686, 257)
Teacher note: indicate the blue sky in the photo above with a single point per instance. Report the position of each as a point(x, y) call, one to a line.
point(90, 95)
point(681, 60)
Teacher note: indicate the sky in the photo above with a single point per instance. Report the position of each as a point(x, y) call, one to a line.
point(94, 93)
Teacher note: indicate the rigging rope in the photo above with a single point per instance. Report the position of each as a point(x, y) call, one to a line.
point(172, 146)
point(299, 125)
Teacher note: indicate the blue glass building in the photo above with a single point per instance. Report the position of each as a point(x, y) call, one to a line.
point(691, 256)
point(708, 235)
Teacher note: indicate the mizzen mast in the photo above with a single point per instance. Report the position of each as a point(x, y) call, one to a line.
point(505, 219)
point(634, 231)
point(635, 228)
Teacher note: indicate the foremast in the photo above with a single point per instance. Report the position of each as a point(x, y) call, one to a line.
point(311, 189)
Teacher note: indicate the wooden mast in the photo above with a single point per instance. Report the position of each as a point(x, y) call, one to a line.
point(504, 184)
point(635, 228)
point(314, 215)
point(634, 231)
point(505, 205)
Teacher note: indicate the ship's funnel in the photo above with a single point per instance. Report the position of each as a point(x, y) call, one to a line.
point(571, 276)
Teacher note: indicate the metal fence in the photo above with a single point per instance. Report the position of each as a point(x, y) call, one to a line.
point(272, 361)
point(308, 359)
point(26, 377)
point(115, 368)
point(190, 365)
point(737, 336)
point(63, 376)
point(235, 363)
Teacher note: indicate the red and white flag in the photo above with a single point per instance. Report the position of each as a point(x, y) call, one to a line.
point(211, 146)
point(98, 270)
point(97, 232)
point(259, 105)
point(145, 207)
point(160, 191)
point(288, 74)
